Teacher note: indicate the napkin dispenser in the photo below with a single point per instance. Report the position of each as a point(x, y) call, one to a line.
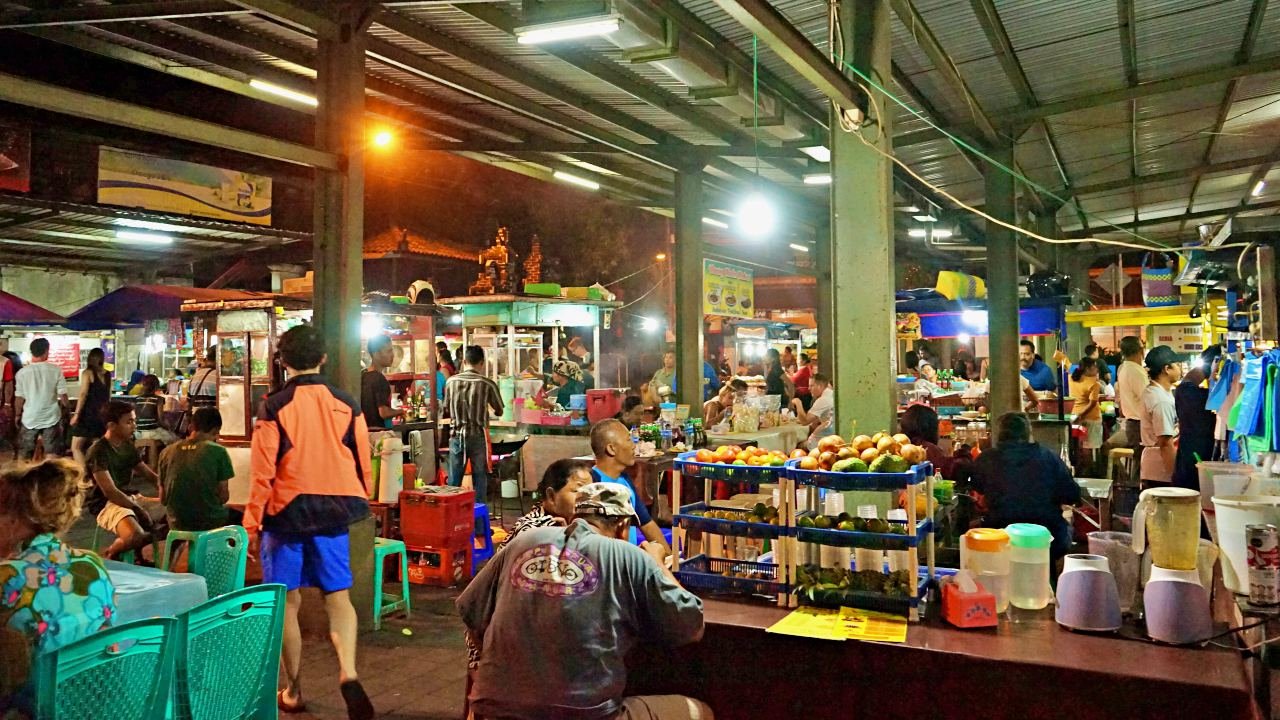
point(966, 603)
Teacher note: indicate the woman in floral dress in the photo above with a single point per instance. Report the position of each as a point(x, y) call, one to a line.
point(50, 593)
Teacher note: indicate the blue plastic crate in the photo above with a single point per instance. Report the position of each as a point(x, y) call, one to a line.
point(848, 481)
point(724, 575)
point(882, 541)
point(753, 474)
point(736, 528)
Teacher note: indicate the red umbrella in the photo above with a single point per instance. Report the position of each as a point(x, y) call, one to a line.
point(16, 311)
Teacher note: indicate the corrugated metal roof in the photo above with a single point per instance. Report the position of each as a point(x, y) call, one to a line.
point(1180, 36)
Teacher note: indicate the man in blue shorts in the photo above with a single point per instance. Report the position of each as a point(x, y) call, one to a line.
point(310, 476)
point(615, 454)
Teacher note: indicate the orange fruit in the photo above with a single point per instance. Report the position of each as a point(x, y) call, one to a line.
point(705, 456)
point(869, 455)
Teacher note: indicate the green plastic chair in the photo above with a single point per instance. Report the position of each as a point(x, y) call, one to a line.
point(385, 604)
point(122, 673)
point(219, 556)
point(229, 656)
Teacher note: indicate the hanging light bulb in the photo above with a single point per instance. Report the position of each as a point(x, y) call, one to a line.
point(757, 216)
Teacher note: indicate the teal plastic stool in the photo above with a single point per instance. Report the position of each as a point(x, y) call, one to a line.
point(384, 604)
point(228, 656)
point(123, 672)
point(125, 557)
point(219, 556)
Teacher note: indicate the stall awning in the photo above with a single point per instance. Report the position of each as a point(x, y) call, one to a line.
point(941, 318)
point(16, 311)
point(135, 305)
point(1128, 317)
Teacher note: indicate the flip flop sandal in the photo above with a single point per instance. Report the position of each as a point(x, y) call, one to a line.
point(358, 705)
point(286, 707)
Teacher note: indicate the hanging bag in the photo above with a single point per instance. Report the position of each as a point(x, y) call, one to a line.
point(1157, 283)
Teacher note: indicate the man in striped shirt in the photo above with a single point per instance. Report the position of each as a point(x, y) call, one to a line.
point(468, 398)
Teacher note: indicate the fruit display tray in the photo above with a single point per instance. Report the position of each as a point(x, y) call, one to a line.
point(724, 575)
point(880, 541)
point(847, 481)
point(732, 473)
point(736, 528)
point(872, 600)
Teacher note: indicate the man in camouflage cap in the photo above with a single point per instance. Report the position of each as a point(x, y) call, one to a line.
point(573, 601)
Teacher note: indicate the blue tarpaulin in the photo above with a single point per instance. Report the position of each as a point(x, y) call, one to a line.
point(941, 318)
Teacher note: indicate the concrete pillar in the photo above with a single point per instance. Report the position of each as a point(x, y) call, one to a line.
point(822, 263)
point(1002, 288)
point(687, 266)
point(863, 363)
point(339, 195)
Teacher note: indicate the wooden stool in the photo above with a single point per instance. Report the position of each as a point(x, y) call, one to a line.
point(149, 450)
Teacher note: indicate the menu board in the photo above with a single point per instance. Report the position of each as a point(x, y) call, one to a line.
point(727, 290)
point(65, 353)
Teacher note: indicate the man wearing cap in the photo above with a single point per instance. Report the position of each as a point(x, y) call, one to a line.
point(557, 611)
point(1159, 417)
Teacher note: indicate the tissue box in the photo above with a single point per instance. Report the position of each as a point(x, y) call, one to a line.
point(968, 610)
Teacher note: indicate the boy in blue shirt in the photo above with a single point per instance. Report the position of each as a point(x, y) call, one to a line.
point(615, 454)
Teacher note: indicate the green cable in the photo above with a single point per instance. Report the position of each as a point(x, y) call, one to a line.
point(1010, 171)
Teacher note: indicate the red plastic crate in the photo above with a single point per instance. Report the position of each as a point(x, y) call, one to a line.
point(441, 567)
point(437, 516)
point(603, 404)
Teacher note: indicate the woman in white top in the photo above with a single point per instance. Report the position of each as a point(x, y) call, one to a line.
point(1159, 419)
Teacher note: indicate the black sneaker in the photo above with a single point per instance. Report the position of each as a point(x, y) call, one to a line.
point(358, 705)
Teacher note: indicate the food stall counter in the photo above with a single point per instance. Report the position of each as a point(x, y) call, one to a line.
point(1025, 669)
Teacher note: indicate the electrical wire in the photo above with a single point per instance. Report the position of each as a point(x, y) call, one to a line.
point(628, 277)
point(1153, 245)
point(661, 281)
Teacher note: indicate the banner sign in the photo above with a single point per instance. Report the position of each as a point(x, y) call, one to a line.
point(135, 180)
point(15, 157)
point(727, 290)
point(64, 351)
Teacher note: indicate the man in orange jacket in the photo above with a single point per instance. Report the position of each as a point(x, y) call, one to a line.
point(310, 477)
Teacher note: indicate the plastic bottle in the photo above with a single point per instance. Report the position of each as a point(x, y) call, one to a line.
point(1029, 565)
point(635, 435)
point(868, 558)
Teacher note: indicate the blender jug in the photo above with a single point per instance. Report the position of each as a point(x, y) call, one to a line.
point(1168, 519)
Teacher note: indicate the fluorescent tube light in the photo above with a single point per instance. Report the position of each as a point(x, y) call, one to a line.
point(575, 180)
point(283, 92)
point(143, 237)
point(715, 223)
point(798, 248)
point(821, 153)
point(817, 179)
point(536, 34)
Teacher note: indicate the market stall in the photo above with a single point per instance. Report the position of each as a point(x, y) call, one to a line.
point(245, 330)
point(512, 330)
point(747, 341)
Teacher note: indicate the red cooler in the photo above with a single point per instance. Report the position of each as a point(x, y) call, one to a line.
point(603, 404)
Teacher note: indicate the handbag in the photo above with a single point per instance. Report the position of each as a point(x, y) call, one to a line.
point(1157, 284)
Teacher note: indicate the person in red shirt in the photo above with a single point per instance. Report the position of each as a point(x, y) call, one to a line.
point(309, 480)
point(801, 380)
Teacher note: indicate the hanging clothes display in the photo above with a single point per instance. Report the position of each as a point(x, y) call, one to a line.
point(1248, 409)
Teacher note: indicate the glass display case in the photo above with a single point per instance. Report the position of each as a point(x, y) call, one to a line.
point(510, 354)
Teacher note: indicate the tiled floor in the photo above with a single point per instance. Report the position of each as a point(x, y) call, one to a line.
point(421, 675)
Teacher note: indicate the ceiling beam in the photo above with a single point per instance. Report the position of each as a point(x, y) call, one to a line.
point(46, 261)
point(916, 95)
point(58, 99)
point(590, 148)
point(609, 72)
point(1186, 217)
point(117, 13)
point(1020, 118)
point(779, 35)
point(304, 57)
point(1171, 175)
point(946, 68)
point(206, 242)
point(1243, 55)
point(294, 13)
point(688, 20)
point(60, 239)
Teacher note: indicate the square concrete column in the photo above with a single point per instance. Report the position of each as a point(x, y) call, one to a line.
point(863, 363)
point(687, 265)
point(1002, 287)
point(339, 195)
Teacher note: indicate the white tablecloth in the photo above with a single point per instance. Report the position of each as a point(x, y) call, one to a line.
point(783, 438)
point(143, 592)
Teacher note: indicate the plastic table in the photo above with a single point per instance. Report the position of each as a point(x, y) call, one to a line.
point(143, 592)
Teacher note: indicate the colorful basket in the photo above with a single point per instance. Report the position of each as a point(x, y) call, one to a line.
point(1157, 284)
